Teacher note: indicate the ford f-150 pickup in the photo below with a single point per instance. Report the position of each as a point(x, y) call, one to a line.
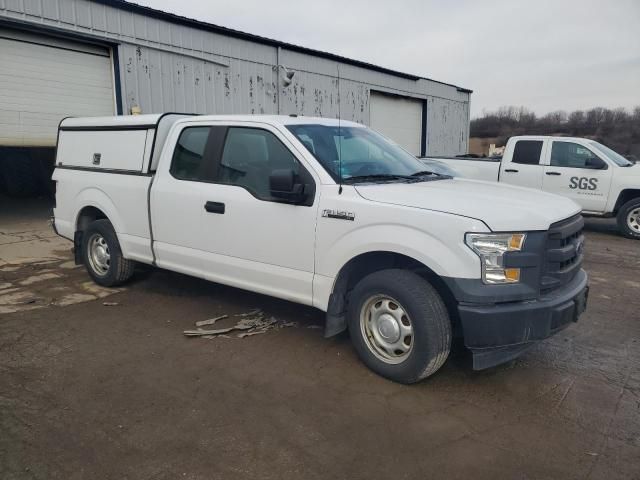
point(328, 214)
point(601, 181)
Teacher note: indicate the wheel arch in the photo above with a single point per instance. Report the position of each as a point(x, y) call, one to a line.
point(624, 196)
point(366, 263)
point(86, 215)
point(94, 204)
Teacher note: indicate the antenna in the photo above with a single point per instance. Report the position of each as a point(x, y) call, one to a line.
point(339, 135)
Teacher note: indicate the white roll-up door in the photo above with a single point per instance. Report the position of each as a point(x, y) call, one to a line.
point(398, 118)
point(44, 79)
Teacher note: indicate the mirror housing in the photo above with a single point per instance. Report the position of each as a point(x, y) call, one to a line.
point(283, 186)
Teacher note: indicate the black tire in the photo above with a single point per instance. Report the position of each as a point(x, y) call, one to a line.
point(429, 320)
point(632, 207)
point(118, 269)
point(21, 174)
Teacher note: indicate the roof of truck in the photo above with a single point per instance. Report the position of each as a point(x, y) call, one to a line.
point(119, 121)
point(151, 120)
point(553, 137)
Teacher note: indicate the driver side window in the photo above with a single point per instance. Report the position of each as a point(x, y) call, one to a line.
point(574, 155)
point(249, 157)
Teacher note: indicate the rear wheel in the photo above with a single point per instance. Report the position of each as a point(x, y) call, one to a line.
point(629, 219)
point(399, 325)
point(102, 255)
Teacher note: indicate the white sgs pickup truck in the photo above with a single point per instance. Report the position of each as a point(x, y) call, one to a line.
point(326, 214)
point(601, 181)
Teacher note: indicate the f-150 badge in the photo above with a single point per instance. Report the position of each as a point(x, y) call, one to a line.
point(339, 214)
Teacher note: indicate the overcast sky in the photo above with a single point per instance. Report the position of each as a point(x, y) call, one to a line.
point(546, 55)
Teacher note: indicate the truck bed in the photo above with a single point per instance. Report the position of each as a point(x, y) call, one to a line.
point(486, 169)
point(107, 163)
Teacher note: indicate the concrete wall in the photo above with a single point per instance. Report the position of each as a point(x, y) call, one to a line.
point(167, 66)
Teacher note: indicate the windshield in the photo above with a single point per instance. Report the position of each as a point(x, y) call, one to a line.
point(357, 154)
point(614, 156)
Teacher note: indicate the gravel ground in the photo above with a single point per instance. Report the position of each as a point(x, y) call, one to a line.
point(97, 391)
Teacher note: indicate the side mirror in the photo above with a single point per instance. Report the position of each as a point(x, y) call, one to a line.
point(282, 184)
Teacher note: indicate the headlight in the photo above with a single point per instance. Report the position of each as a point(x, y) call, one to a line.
point(491, 247)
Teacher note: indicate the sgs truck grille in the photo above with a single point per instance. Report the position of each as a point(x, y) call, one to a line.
point(564, 253)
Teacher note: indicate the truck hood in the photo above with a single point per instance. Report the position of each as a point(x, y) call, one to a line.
point(503, 208)
point(632, 171)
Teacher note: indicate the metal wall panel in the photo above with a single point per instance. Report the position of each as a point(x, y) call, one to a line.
point(167, 66)
point(447, 127)
point(159, 81)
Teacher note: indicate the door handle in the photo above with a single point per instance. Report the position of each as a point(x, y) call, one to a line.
point(553, 173)
point(511, 170)
point(214, 207)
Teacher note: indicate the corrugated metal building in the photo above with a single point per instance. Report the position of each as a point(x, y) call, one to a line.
point(101, 57)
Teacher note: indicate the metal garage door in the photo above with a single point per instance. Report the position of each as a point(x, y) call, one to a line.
point(398, 118)
point(43, 79)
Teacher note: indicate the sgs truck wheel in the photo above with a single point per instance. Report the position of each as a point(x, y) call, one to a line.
point(399, 325)
point(629, 219)
point(102, 255)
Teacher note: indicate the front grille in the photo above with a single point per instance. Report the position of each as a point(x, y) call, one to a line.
point(564, 253)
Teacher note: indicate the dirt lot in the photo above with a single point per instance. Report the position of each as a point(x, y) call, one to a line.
point(104, 392)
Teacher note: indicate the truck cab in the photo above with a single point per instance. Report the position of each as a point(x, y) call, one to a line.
point(577, 168)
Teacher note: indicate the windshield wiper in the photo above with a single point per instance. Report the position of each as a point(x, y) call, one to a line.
point(425, 172)
point(374, 177)
point(419, 176)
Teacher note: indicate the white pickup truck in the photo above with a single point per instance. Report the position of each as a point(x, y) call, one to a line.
point(601, 181)
point(326, 214)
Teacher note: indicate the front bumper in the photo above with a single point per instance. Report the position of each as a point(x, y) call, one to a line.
point(498, 333)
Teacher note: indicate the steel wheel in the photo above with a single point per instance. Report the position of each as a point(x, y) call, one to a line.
point(633, 220)
point(98, 254)
point(386, 329)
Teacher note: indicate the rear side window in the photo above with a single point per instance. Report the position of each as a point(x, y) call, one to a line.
point(527, 152)
point(189, 160)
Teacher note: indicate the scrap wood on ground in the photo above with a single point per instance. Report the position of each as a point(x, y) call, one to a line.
point(248, 324)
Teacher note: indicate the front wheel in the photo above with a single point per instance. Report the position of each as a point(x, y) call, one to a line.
point(399, 325)
point(102, 255)
point(629, 219)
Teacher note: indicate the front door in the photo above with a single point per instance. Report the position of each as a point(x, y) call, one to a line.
point(251, 239)
point(576, 172)
point(525, 168)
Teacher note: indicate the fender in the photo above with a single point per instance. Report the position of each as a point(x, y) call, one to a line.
point(95, 197)
point(446, 255)
point(451, 259)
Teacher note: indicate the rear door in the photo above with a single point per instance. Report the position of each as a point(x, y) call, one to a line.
point(575, 171)
point(526, 165)
point(251, 239)
point(176, 199)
